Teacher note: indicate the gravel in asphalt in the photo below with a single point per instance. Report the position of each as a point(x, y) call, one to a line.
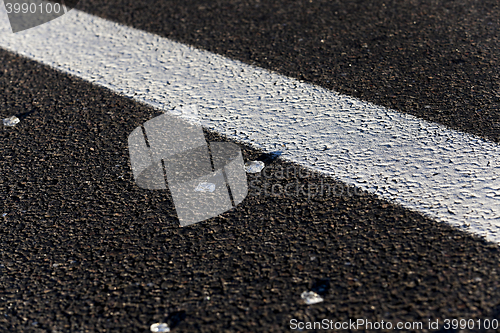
point(83, 249)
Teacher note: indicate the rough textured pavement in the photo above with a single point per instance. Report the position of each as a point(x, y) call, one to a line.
point(83, 249)
point(437, 60)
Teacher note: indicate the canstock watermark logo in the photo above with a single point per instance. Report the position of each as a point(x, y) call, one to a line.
point(26, 14)
point(205, 179)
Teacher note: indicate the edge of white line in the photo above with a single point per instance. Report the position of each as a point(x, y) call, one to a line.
point(447, 175)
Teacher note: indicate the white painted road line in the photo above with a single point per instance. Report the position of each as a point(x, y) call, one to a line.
point(447, 175)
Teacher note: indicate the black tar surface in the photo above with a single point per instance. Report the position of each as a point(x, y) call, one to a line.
point(83, 249)
point(435, 59)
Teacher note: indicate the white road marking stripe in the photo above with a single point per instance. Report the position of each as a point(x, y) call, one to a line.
point(447, 175)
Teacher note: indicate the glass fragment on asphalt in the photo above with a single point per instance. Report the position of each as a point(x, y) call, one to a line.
point(11, 121)
point(254, 166)
point(205, 187)
point(159, 327)
point(310, 297)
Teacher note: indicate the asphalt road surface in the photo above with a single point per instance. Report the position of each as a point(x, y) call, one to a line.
point(83, 249)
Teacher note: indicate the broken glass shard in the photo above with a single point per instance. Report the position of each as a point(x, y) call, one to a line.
point(205, 187)
point(11, 121)
point(310, 297)
point(159, 327)
point(254, 166)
